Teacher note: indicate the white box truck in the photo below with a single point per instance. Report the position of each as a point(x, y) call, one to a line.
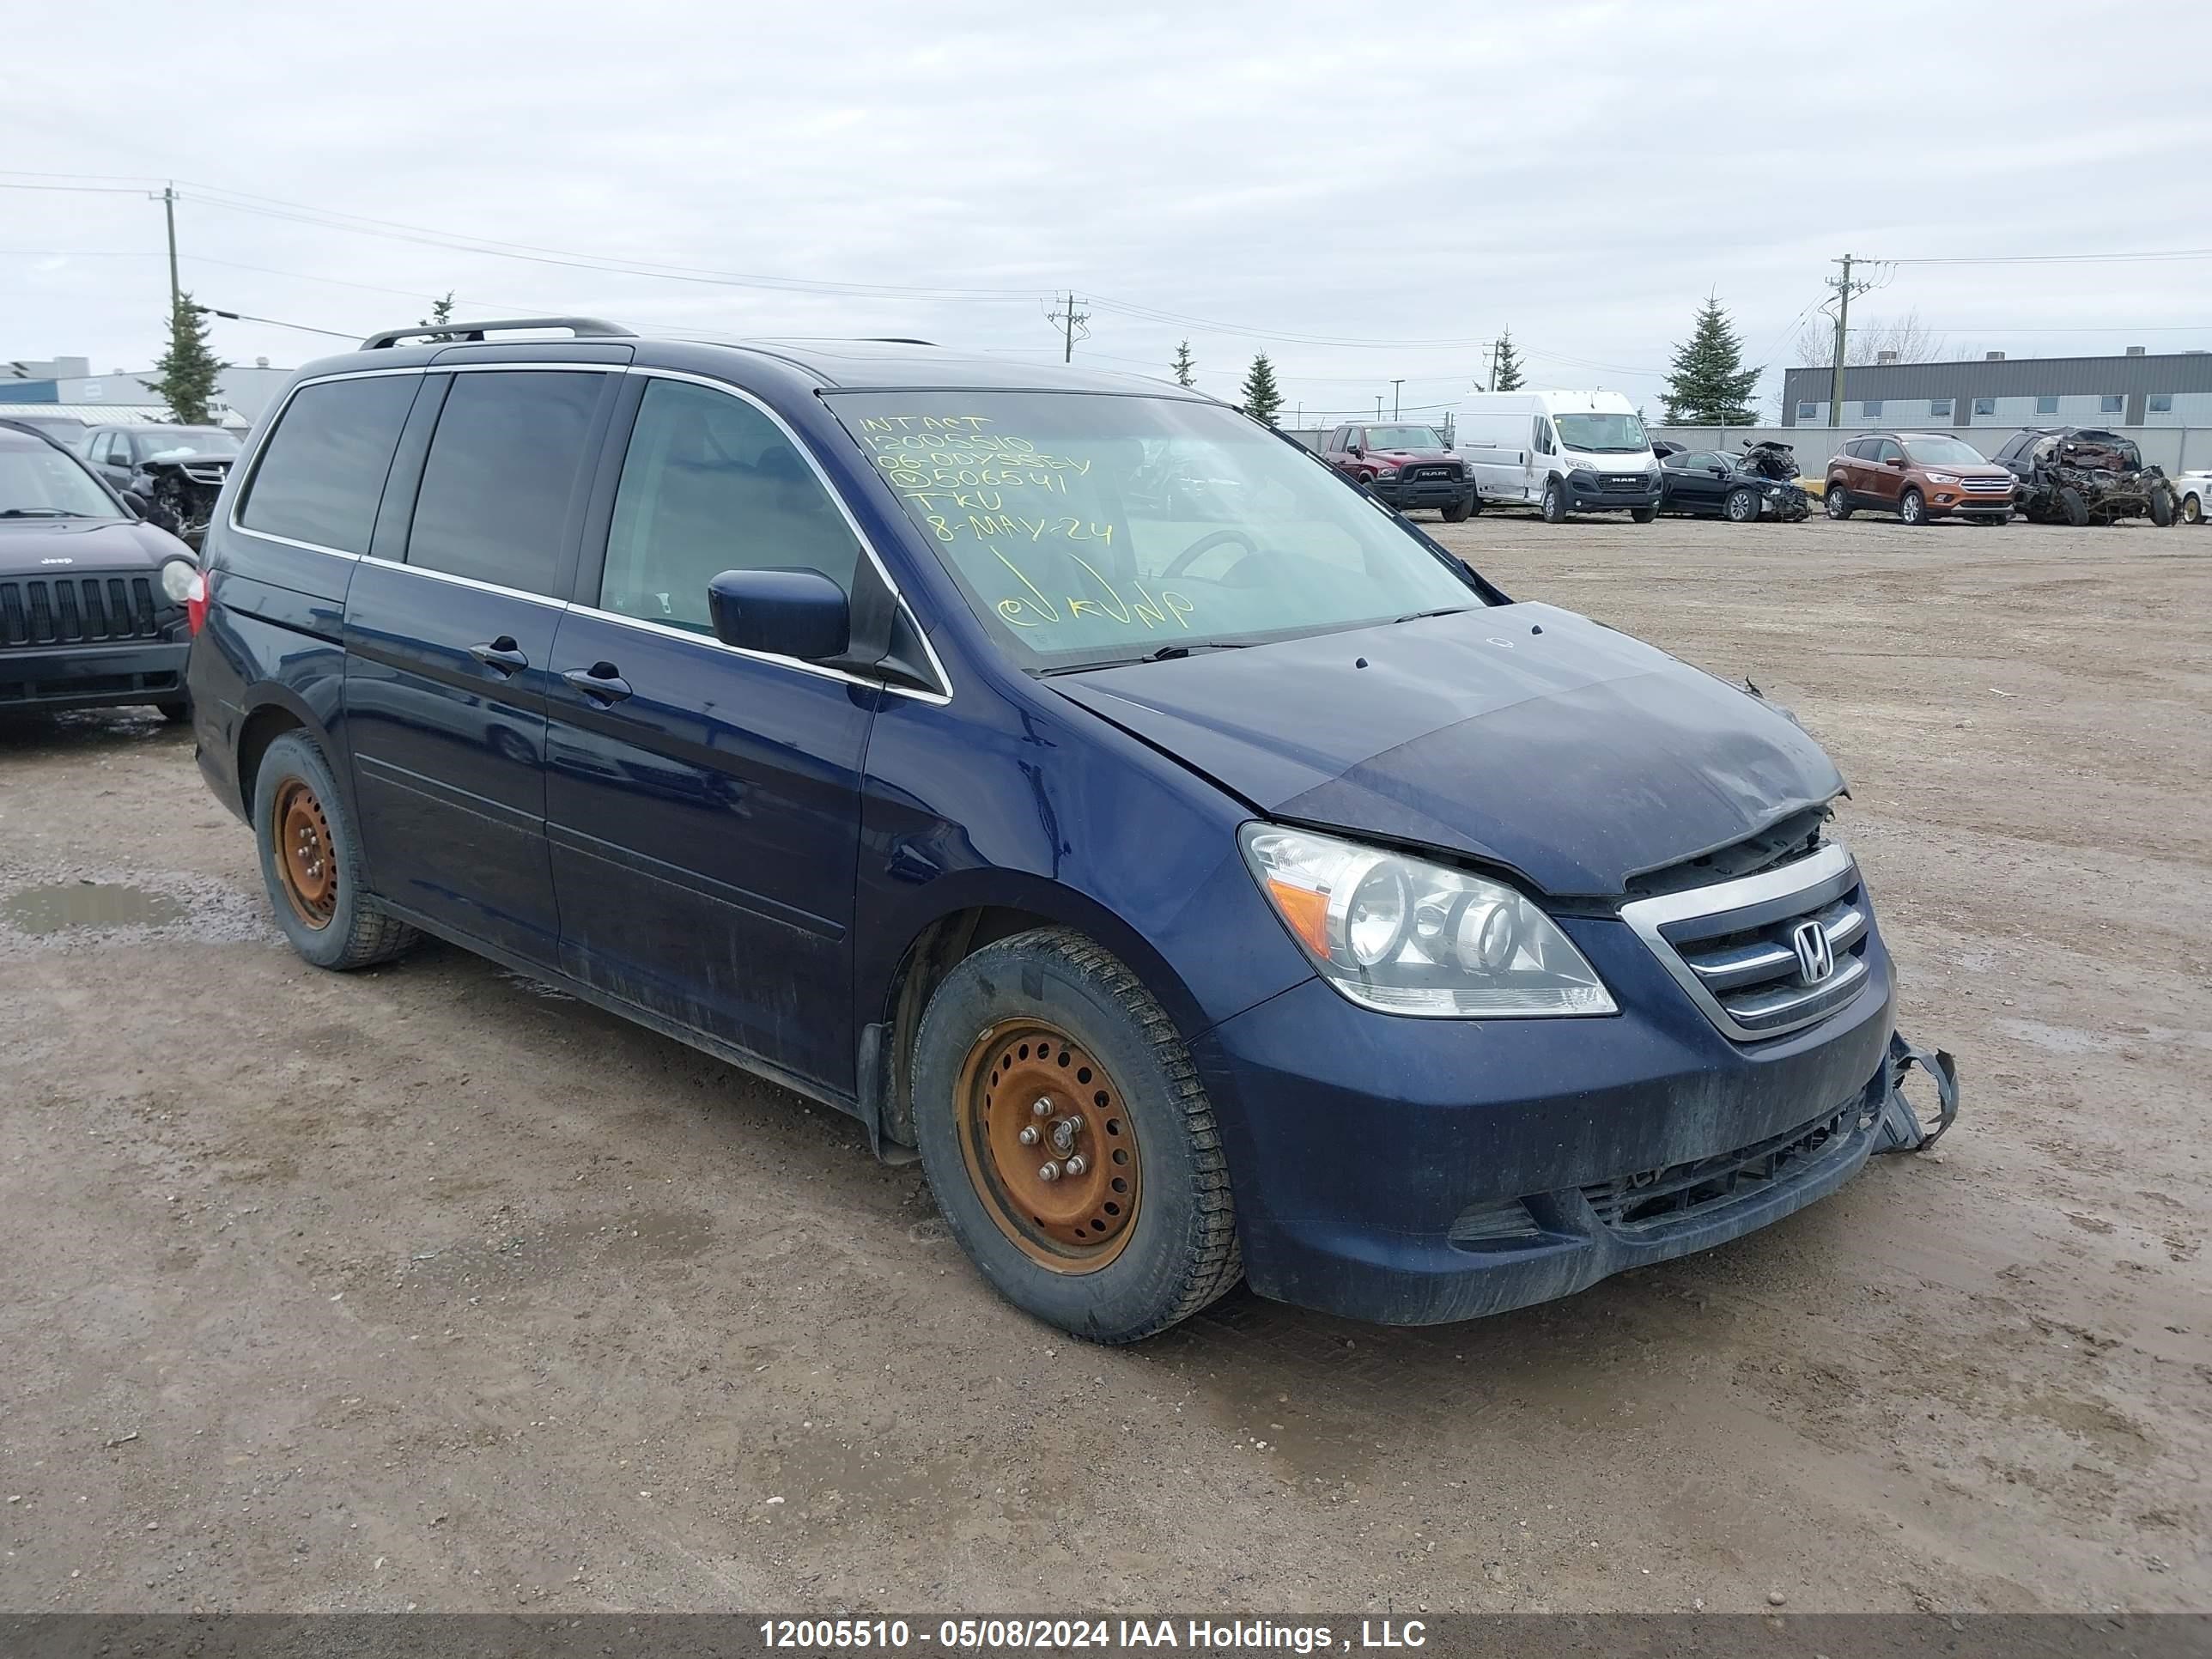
point(1559, 452)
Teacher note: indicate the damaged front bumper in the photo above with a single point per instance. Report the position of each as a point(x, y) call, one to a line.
point(1900, 1129)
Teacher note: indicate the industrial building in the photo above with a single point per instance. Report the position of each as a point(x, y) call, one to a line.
point(2136, 389)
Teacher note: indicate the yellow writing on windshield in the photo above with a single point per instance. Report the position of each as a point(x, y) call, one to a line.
point(1036, 608)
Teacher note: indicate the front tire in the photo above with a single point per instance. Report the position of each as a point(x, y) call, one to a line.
point(1555, 507)
point(1643, 514)
point(2076, 505)
point(175, 710)
point(2192, 510)
point(1457, 512)
point(1741, 507)
point(310, 862)
point(1836, 501)
point(1134, 1228)
point(2162, 506)
point(1912, 508)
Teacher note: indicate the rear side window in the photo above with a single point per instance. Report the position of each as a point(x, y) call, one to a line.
point(710, 483)
point(322, 471)
point(507, 455)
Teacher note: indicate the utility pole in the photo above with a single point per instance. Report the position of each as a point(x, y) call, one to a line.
point(169, 214)
point(1496, 346)
point(1378, 406)
point(1069, 320)
point(1394, 406)
point(1844, 288)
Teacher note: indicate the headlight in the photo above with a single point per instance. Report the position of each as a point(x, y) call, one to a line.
point(177, 579)
point(1405, 936)
point(1942, 477)
point(1774, 492)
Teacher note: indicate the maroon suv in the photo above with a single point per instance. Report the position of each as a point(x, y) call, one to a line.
point(1408, 466)
point(1919, 475)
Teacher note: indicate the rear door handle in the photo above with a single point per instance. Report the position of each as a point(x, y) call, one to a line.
point(500, 655)
point(602, 681)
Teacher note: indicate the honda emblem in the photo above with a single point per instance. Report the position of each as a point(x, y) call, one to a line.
point(1816, 960)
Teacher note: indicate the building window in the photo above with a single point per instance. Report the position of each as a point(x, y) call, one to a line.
point(1871, 409)
point(1939, 409)
point(1809, 411)
point(2046, 405)
point(2161, 403)
point(2109, 406)
point(1985, 405)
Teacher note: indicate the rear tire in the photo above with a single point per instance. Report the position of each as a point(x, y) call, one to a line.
point(1555, 507)
point(1836, 502)
point(2192, 508)
point(1912, 508)
point(2076, 507)
point(1144, 1234)
point(310, 862)
point(1741, 507)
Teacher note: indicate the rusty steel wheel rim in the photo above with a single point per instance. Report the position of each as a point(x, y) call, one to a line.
point(1049, 1145)
point(306, 864)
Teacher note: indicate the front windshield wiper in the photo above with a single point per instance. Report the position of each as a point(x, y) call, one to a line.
point(1422, 615)
point(1165, 654)
point(41, 512)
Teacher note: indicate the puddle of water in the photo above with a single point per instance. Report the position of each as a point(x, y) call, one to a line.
point(88, 904)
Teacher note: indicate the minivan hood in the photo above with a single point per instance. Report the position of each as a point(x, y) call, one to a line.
point(1521, 735)
point(61, 547)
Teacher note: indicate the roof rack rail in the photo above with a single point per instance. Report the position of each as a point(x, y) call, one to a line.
point(581, 327)
point(897, 339)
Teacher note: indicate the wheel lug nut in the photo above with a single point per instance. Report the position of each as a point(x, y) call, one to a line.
point(1074, 1165)
point(1030, 1137)
point(1047, 1171)
point(1041, 1108)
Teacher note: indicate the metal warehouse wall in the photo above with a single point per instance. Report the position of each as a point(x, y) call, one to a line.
point(2183, 374)
point(2176, 448)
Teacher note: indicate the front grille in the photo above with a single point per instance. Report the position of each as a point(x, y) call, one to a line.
point(1990, 486)
point(1660, 1197)
point(1624, 481)
point(1766, 954)
point(40, 611)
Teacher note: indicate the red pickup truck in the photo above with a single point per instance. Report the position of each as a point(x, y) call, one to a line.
point(1408, 467)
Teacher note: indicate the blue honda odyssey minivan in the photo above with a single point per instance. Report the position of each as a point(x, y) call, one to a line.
point(1202, 871)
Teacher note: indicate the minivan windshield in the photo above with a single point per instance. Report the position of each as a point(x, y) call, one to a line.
point(1602, 434)
point(1090, 528)
point(1409, 438)
point(38, 481)
point(1941, 451)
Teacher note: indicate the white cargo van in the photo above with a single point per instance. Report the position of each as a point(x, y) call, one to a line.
point(1563, 452)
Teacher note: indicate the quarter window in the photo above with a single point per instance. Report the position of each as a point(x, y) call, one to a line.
point(321, 472)
point(710, 483)
point(508, 456)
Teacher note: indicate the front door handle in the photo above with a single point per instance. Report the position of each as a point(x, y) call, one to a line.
point(602, 681)
point(500, 655)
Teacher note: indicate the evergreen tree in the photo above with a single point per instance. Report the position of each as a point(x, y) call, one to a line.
point(1505, 367)
point(185, 375)
point(441, 310)
point(1184, 365)
point(1262, 399)
point(1709, 385)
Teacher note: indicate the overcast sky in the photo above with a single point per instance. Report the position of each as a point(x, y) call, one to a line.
point(1421, 177)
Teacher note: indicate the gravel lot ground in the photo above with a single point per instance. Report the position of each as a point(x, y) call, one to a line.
point(429, 1288)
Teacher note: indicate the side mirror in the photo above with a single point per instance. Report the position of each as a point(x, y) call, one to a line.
point(139, 506)
point(1898, 461)
point(1718, 471)
point(785, 613)
point(1355, 452)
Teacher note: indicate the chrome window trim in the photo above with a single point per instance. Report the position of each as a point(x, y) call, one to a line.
point(941, 697)
point(1647, 916)
point(459, 581)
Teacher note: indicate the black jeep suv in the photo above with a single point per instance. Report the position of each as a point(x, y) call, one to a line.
point(92, 601)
